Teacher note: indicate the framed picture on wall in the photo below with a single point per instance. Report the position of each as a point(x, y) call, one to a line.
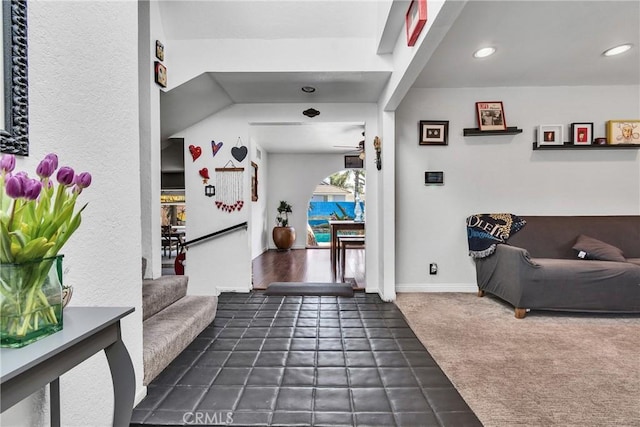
point(434, 132)
point(550, 135)
point(491, 115)
point(353, 162)
point(160, 74)
point(159, 50)
point(415, 19)
point(623, 132)
point(254, 182)
point(582, 133)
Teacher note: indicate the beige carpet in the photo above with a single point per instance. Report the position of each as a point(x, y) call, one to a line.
point(549, 369)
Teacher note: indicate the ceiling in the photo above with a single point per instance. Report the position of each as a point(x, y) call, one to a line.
point(268, 19)
point(286, 87)
point(314, 138)
point(539, 43)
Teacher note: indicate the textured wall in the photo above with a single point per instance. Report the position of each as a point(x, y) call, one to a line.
point(84, 106)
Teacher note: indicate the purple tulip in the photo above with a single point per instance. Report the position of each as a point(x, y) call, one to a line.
point(14, 187)
point(45, 168)
point(53, 158)
point(32, 189)
point(7, 163)
point(65, 176)
point(83, 180)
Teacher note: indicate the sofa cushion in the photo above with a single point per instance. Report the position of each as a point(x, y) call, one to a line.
point(596, 249)
point(554, 236)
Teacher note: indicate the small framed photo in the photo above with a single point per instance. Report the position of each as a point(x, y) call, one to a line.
point(550, 135)
point(353, 162)
point(159, 50)
point(415, 20)
point(254, 182)
point(434, 132)
point(623, 132)
point(491, 115)
point(161, 74)
point(582, 133)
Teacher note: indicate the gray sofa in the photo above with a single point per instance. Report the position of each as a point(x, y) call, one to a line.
point(539, 268)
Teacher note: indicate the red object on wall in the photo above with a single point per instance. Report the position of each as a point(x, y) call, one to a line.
point(178, 266)
point(415, 20)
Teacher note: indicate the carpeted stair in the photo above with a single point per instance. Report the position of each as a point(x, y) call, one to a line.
point(171, 320)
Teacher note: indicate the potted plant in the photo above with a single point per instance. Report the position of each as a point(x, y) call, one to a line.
point(283, 234)
point(37, 217)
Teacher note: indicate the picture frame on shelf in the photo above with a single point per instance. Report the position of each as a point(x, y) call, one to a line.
point(623, 132)
point(434, 132)
point(415, 20)
point(491, 115)
point(160, 74)
point(353, 162)
point(550, 135)
point(582, 133)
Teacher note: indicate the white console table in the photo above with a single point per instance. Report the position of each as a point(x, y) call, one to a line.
point(86, 331)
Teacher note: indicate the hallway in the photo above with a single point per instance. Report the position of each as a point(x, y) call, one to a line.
point(306, 265)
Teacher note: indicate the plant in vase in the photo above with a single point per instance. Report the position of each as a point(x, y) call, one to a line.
point(37, 217)
point(283, 235)
point(284, 209)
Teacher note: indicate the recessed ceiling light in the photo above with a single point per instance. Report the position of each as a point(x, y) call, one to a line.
point(617, 50)
point(308, 89)
point(484, 52)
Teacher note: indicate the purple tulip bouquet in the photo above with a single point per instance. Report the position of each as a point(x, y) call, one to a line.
point(37, 217)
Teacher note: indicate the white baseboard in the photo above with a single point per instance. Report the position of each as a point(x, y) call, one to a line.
point(437, 287)
point(140, 394)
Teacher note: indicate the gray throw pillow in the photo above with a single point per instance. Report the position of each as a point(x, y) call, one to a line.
point(590, 248)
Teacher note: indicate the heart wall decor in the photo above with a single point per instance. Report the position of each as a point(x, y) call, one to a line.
point(215, 147)
point(204, 173)
point(195, 152)
point(239, 153)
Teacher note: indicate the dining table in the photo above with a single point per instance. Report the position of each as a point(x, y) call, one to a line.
point(335, 227)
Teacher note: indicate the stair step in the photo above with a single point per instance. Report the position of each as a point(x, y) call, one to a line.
point(170, 331)
point(157, 294)
point(306, 288)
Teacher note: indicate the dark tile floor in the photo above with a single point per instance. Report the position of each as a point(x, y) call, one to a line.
point(330, 361)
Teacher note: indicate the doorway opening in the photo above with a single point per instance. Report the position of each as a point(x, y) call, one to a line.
point(340, 196)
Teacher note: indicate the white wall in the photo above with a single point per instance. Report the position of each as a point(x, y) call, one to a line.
point(273, 55)
point(83, 99)
point(224, 264)
point(150, 30)
point(501, 173)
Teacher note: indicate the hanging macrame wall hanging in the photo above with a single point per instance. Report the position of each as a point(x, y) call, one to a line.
point(229, 181)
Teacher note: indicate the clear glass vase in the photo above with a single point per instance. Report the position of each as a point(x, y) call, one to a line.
point(30, 301)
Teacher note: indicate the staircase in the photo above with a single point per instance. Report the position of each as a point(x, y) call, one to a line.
point(171, 320)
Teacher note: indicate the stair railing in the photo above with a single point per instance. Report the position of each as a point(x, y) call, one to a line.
point(215, 234)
